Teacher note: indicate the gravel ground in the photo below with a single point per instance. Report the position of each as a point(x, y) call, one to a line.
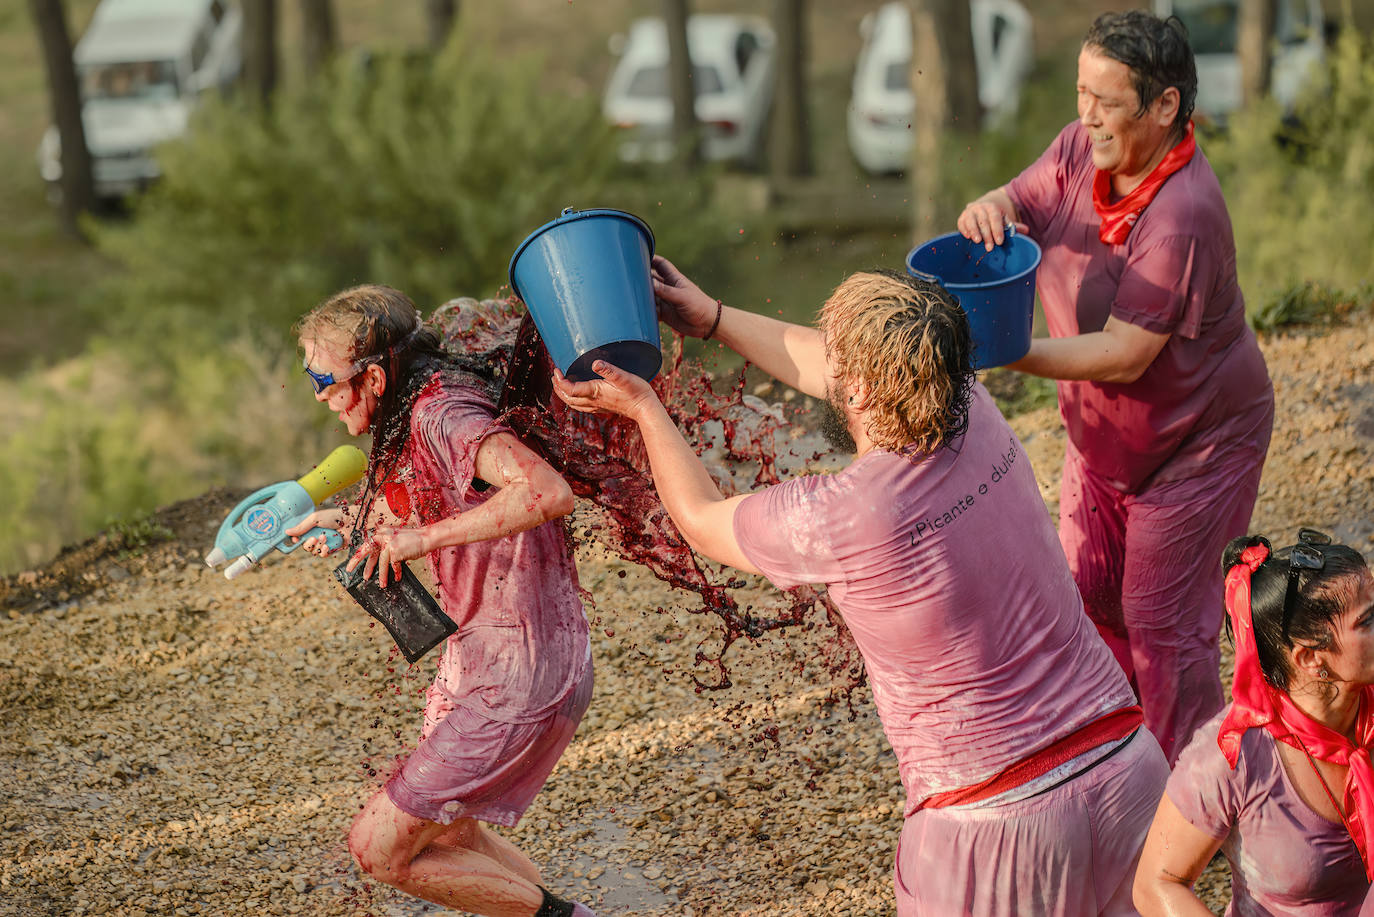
point(173, 743)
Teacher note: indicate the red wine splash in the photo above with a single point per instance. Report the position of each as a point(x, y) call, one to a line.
point(602, 457)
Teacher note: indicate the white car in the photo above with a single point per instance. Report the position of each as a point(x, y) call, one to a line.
point(732, 72)
point(141, 66)
point(1299, 28)
point(882, 104)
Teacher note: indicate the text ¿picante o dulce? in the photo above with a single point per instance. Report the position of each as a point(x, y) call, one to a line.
point(1000, 469)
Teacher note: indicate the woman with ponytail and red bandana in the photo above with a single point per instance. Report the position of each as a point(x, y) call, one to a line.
point(1281, 780)
point(1162, 388)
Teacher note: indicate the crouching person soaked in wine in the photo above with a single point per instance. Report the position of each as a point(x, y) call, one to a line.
point(515, 678)
point(1029, 780)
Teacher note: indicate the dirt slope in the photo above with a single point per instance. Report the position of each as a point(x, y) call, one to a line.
point(172, 743)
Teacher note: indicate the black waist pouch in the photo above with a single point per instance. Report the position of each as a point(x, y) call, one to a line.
point(405, 607)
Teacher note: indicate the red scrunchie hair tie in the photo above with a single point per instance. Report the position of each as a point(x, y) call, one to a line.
point(1238, 585)
point(1254, 556)
point(1250, 694)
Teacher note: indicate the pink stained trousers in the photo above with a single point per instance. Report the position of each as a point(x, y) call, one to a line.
point(1149, 568)
point(1070, 851)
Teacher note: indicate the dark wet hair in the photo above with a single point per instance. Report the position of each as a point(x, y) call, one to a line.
point(381, 324)
point(1322, 596)
point(1157, 53)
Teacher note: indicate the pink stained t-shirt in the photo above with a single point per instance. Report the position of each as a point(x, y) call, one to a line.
point(1207, 393)
point(1285, 858)
point(521, 642)
point(949, 574)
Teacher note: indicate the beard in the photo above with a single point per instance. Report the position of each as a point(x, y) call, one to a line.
point(832, 422)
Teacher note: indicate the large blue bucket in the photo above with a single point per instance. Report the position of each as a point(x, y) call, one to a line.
point(586, 280)
point(995, 288)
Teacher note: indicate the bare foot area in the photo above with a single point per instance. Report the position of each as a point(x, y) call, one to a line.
point(174, 743)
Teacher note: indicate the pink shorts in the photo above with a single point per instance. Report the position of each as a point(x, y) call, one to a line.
point(468, 766)
point(1070, 851)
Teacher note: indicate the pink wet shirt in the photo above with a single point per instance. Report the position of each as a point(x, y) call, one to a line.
point(521, 643)
point(949, 574)
point(1285, 858)
point(1207, 393)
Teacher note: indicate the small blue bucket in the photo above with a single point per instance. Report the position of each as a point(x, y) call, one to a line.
point(995, 288)
point(586, 280)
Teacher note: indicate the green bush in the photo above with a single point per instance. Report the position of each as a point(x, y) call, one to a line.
point(1301, 192)
point(420, 172)
point(68, 462)
point(1306, 303)
point(106, 438)
point(136, 532)
point(423, 173)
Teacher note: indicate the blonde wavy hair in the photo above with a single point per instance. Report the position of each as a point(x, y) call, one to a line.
point(369, 319)
point(909, 342)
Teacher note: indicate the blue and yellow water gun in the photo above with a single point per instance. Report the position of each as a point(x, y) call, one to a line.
point(259, 523)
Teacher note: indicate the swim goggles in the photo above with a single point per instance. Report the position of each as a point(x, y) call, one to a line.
point(322, 381)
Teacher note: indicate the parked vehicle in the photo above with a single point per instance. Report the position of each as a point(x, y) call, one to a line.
point(141, 66)
point(882, 104)
point(732, 73)
point(1299, 29)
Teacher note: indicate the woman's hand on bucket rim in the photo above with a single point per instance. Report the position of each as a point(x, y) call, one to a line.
point(616, 392)
point(681, 303)
point(986, 219)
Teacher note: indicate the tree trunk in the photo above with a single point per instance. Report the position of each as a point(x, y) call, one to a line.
point(686, 137)
point(790, 144)
point(440, 16)
point(260, 48)
point(944, 81)
point(319, 37)
point(1255, 42)
point(1348, 15)
point(78, 187)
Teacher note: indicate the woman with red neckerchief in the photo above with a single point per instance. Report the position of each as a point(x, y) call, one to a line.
point(1162, 388)
point(1281, 780)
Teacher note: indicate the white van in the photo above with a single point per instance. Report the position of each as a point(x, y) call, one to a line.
point(732, 73)
point(141, 66)
point(1299, 29)
point(882, 104)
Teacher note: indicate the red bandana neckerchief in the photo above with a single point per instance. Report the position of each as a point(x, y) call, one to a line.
point(1258, 704)
point(1118, 218)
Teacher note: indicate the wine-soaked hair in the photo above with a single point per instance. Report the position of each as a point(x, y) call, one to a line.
point(909, 341)
point(1157, 53)
point(376, 323)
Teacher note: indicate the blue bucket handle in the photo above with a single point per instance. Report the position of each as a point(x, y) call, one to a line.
point(928, 278)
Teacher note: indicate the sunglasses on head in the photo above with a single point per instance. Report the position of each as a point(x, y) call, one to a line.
point(1305, 555)
point(322, 381)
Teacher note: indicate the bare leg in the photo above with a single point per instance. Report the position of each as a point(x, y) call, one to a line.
point(406, 852)
point(472, 834)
